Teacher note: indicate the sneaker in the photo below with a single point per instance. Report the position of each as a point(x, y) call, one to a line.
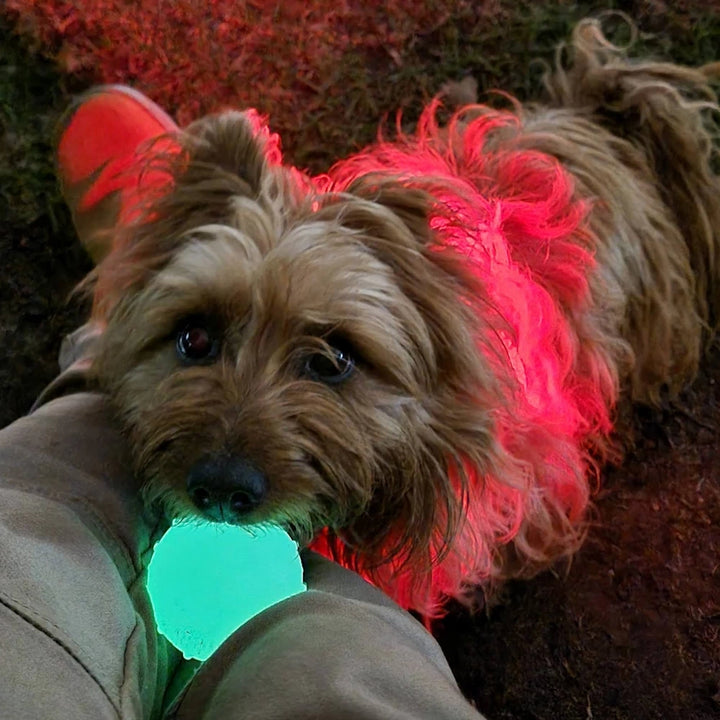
point(104, 142)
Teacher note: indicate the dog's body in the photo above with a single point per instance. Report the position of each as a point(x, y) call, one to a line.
point(423, 352)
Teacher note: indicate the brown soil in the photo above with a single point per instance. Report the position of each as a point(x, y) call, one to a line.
point(633, 629)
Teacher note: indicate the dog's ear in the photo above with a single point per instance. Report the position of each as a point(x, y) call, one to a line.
point(395, 220)
point(210, 164)
point(228, 153)
point(410, 205)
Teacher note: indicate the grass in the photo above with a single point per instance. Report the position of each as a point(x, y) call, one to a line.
point(31, 96)
point(326, 71)
point(40, 258)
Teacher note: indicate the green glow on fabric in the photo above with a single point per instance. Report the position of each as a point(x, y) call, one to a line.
point(207, 580)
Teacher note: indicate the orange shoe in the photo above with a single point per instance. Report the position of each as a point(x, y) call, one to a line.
point(105, 141)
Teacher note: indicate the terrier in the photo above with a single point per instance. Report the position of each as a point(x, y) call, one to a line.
point(417, 362)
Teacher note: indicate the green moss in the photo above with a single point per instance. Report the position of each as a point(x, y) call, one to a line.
point(31, 98)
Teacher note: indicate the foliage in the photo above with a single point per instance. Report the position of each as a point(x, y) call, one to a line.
point(325, 71)
point(193, 56)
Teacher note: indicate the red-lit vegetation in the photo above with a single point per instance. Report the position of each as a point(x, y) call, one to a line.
point(192, 56)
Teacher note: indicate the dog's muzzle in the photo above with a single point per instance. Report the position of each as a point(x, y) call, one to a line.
point(226, 487)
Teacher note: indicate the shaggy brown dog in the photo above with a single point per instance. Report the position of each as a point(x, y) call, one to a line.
point(415, 362)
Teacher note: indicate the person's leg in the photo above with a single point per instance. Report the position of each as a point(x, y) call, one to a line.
point(342, 649)
point(78, 634)
point(105, 144)
point(79, 639)
point(105, 140)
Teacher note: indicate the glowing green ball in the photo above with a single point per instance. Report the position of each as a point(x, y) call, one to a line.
point(207, 580)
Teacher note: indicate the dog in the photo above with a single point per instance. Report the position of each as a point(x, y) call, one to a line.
point(418, 362)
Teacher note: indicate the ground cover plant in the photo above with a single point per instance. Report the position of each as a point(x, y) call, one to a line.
point(632, 628)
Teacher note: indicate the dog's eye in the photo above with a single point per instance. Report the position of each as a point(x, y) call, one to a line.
point(331, 367)
point(196, 343)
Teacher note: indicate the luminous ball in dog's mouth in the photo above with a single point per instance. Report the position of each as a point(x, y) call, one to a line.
point(205, 580)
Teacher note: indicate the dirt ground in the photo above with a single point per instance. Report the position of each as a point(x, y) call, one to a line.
point(631, 629)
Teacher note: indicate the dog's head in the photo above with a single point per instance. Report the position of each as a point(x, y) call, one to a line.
point(281, 353)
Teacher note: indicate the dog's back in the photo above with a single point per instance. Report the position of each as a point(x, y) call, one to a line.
point(605, 266)
point(639, 139)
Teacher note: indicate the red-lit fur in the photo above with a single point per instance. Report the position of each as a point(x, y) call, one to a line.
point(504, 281)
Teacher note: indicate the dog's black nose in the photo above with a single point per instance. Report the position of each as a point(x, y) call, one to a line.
point(226, 487)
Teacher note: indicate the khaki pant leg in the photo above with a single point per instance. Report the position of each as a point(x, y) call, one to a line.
point(77, 634)
point(340, 651)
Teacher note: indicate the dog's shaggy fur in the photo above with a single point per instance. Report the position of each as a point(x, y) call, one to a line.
point(422, 354)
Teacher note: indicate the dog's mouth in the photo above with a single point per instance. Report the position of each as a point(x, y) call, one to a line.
point(301, 525)
point(227, 487)
point(220, 513)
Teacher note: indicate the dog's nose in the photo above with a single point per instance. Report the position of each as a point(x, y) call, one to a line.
point(226, 487)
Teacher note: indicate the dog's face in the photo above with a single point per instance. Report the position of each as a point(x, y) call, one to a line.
point(281, 355)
